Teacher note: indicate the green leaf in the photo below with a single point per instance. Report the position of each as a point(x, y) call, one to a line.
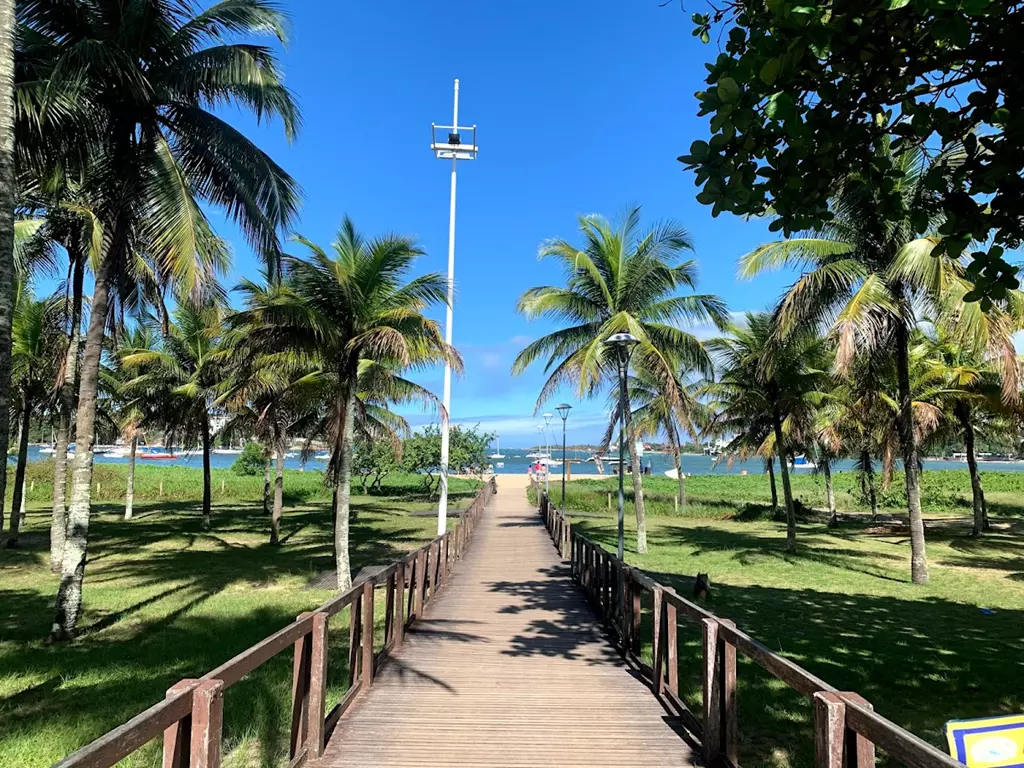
point(895, 5)
point(700, 151)
point(770, 71)
point(705, 37)
point(780, 106)
point(728, 90)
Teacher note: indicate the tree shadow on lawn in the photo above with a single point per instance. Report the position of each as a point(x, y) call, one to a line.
point(161, 627)
point(921, 662)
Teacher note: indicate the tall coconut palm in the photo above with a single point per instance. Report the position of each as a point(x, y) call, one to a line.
point(975, 386)
point(7, 199)
point(133, 411)
point(773, 382)
point(37, 346)
point(187, 372)
point(131, 87)
point(864, 277)
point(655, 414)
point(337, 309)
point(622, 278)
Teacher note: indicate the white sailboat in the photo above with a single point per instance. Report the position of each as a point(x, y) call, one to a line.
point(497, 451)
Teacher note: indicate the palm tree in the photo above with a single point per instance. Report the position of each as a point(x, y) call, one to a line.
point(975, 385)
point(132, 411)
point(130, 88)
point(188, 374)
point(771, 382)
point(275, 395)
point(7, 200)
point(864, 277)
point(336, 310)
point(654, 414)
point(622, 279)
point(35, 351)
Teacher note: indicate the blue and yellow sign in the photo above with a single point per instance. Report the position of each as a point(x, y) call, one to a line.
point(990, 742)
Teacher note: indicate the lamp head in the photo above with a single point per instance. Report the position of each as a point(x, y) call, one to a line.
point(563, 410)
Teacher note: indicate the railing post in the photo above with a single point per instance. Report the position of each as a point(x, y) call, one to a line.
point(207, 723)
point(302, 660)
point(367, 634)
point(860, 751)
point(421, 580)
point(316, 702)
point(635, 614)
point(355, 628)
point(671, 648)
point(178, 737)
point(829, 730)
point(657, 650)
point(719, 694)
point(399, 605)
point(389, 608)
point(442, 558)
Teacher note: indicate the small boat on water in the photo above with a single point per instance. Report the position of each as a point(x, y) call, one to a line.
point(158, 456)
point(322, 457)
point(802, 462)
point(497, 451)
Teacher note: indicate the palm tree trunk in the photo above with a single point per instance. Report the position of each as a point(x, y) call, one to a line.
point(911, 466)
point(7, 191)
point(266, 480)
point(343, 490)
point(275, 519)
point(207, 494)
point(65, 409)
point(673, 439)
point(869, 477)
point(129, 494)
point(830, 493)
point(770, 464)
point(69, 593)
point(638, 486)
point(963, 415)
point(18, 498)
point(787, 491)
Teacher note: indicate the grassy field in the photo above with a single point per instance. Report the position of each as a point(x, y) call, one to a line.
point(165, 600)
point(945, 493)
point(841, 605)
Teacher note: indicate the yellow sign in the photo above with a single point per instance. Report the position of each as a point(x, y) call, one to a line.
point(989, 742)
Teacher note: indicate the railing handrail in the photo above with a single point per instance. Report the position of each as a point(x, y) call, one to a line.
point(616, 587)
point(177, 715)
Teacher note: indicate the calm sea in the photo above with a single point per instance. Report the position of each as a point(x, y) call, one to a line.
point(515, 462)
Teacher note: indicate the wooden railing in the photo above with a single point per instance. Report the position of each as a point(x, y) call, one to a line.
point(846, 727)
point(191, 715)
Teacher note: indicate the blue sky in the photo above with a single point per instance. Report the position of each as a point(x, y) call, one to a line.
point(582, 107)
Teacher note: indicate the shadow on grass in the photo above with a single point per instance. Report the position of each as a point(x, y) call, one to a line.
point(165, 600)
point(921, 662)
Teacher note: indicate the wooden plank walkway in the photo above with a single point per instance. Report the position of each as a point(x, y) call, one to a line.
point(509, 667)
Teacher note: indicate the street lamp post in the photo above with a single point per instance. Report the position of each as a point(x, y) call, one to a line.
point(623, 344)
point(450, 142)
point(563, 411)
point(547, 450)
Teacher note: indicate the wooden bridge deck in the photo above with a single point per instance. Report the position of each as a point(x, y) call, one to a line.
point(509, 667)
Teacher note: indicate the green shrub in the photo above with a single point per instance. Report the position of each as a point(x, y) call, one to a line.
point(251, 461)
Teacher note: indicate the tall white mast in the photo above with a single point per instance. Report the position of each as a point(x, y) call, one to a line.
point(454, 148)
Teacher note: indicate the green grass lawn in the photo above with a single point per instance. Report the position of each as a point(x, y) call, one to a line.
point(841, 606)
point(945, 493)
point(165, 600)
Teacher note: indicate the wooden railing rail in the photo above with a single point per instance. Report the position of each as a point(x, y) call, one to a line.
point(846, 728)
point(191, 715)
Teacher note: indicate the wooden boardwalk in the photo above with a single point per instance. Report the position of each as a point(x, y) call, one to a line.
point(509, 667)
